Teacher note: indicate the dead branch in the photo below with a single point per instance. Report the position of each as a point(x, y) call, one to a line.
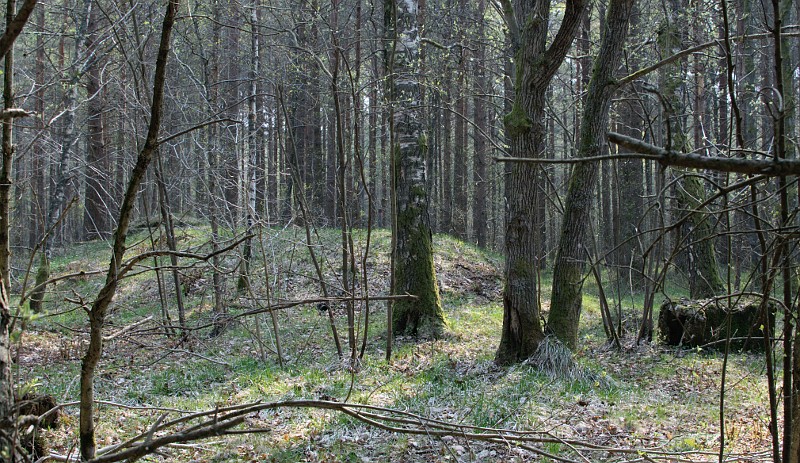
point(770, 168)
point(12, 113)
point(221, 421)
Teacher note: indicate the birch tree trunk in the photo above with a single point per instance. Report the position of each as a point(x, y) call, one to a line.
point(413, 271)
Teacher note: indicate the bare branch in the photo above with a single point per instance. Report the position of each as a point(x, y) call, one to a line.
point(12, 113)
point(688, 51)
point(770, 168)
point(15, 27)
point(511, 20)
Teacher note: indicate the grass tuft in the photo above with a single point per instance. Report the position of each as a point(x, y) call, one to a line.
point(557, 362)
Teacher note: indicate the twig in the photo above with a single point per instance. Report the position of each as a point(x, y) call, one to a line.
point(126, 329)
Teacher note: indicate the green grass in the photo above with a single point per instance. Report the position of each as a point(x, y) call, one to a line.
point(646, 395)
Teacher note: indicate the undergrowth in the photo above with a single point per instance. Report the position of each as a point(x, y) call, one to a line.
point(644, 397)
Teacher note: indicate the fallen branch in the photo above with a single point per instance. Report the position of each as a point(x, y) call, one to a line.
point(126, 329)
point(291, 304)
point(221, 421)
point(767, 167)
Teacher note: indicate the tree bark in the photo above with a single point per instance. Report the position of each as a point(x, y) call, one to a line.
point(6, 378)
point(58, 195)
point(253, 134)
point(96, 223)
point(536, 64)
point(106, 294)
point(8, 157)
point(413, 271)
point(6, 384)
point(567, 294)
point(481, 129)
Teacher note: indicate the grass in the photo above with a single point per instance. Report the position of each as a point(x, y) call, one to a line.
point(641, 397)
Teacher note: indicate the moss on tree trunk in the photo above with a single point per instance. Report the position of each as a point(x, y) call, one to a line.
point(413, 271)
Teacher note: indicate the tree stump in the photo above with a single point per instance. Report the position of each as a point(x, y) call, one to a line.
point(704, 322)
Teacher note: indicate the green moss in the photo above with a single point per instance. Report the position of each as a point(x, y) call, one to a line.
point(42, 275)
point(517, 122)
point(422, 317)
point(423, 142)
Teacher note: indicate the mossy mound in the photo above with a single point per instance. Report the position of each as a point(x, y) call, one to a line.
point(704, 322)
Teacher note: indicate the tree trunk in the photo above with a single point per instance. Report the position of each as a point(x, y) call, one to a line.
point(413, 271)
point(6, 385)
point(106, 294)
point(536, 65)
point(447, 160)
point(96, 223)
point(215, 192)
point(169, 231)
point(58, 195)
point(8, 158)
point(481, 129)
point(253, 134)
point(567, 294)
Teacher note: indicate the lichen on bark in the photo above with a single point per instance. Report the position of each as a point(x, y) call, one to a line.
point(413, 270)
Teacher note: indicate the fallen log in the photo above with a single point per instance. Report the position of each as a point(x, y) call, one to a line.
point(709, 322)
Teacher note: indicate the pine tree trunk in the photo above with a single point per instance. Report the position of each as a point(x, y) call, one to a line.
point(481, 129)
point(96, 223)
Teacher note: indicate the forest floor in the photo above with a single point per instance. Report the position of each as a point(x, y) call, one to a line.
point(659, 401)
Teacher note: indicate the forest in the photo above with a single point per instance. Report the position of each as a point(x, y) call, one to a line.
point(400, 230)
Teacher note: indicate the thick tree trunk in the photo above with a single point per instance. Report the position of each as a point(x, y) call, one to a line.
point(536, 64)
point(413, 271)
point(567, 294)
point(100, 305)
point(704, 277)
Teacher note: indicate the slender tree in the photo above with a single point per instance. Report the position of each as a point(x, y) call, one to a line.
point(96, 223)
point(97, 314)
point(481, 129)
point(8, 156)
point(565, 305)
point(69, 138)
